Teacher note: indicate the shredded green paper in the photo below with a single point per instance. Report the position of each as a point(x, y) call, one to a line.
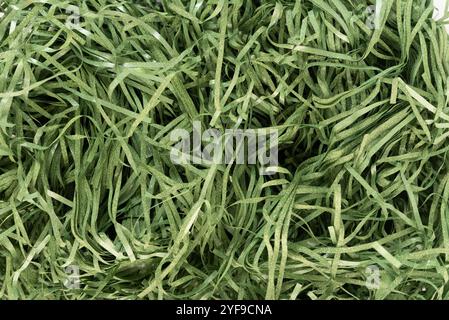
point(92, 205)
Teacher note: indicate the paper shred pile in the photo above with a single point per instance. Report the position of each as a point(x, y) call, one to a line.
point(92, 205)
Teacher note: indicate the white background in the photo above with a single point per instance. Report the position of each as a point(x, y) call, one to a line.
point(439, 10)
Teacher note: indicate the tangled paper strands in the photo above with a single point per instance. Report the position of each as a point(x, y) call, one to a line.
point(92, 205)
